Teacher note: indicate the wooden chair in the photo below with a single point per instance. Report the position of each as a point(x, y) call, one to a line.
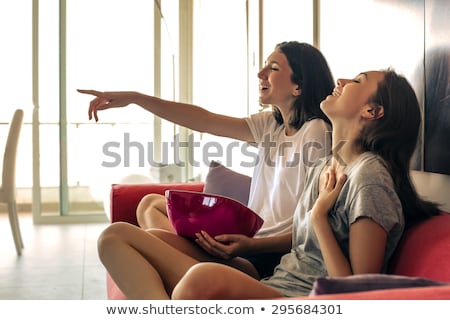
point(8, 187)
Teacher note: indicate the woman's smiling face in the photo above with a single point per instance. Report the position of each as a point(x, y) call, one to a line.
point(351, 96)
point(275, 83)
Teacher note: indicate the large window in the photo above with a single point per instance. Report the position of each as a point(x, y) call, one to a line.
point(102, 45)
point(140, 46)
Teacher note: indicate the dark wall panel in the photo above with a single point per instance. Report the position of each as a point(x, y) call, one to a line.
point(436, 157)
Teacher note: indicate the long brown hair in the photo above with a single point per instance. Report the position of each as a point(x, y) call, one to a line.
point(394, 138)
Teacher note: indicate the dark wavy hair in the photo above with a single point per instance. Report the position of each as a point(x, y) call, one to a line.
point(311, 72)
point(394, 138)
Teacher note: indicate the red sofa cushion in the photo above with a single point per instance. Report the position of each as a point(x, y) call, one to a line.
point(425, 250)
point(125, 197)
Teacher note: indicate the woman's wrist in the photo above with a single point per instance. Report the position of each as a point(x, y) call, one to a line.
point(319, 215)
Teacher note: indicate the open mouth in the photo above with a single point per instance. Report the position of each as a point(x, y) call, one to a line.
point(336, 93)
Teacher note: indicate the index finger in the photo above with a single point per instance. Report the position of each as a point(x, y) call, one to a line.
point(92, 108)
point(92, 92)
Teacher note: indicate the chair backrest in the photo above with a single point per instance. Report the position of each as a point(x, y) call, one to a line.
point(10, 155)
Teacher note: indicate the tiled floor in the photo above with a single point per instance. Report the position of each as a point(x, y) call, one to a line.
point(59, 262)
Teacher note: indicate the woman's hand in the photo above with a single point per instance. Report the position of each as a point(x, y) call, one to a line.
point(226, 246)
point(107, 100)
point(330, 186)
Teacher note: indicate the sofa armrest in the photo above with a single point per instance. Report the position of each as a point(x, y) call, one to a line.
point(414, 293)
point(126, 197)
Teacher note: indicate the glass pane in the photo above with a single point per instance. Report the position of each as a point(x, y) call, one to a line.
point(220, 74)
point(15, 61)
point(169, 81)
point(109, 47)
point(287, 20)
point(50, 168)
point(169, 49)
point(49, 137)
point(15, 79)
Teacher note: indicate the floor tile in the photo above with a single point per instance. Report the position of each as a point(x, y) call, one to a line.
point(59, 262)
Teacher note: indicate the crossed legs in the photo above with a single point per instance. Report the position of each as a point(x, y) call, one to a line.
point(148, 265)
point(150, 262)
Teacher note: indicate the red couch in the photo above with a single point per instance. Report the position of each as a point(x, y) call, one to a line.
point(424, 251)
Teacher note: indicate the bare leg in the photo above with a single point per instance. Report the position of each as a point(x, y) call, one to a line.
point(152, 213)
point(143, 266)
point(205, 281)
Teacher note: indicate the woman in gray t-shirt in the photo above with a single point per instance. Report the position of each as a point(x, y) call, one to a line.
point(356, 203)
point(368, 193)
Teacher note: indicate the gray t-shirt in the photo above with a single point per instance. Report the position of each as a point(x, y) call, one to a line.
point(368, 192)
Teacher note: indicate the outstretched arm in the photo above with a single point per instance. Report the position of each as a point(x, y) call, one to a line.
point(187, 115)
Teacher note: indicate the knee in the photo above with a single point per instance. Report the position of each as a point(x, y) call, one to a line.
point(150, 200)
point(199, 283)
point(109, 237)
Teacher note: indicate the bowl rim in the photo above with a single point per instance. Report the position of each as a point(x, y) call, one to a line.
point(209, 195)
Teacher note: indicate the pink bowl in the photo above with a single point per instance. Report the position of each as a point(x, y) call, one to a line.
point(191, 212)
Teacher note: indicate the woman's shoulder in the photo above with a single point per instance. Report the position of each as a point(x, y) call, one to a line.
point(265, 114)
point(370, 159)
point(264, 119)
point(314, 131)
point(370, 168)
point(263, 124)
point(316, 125)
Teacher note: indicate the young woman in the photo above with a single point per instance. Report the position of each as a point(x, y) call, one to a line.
point(294, 80)
point(349, 220)
point(356, 203)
